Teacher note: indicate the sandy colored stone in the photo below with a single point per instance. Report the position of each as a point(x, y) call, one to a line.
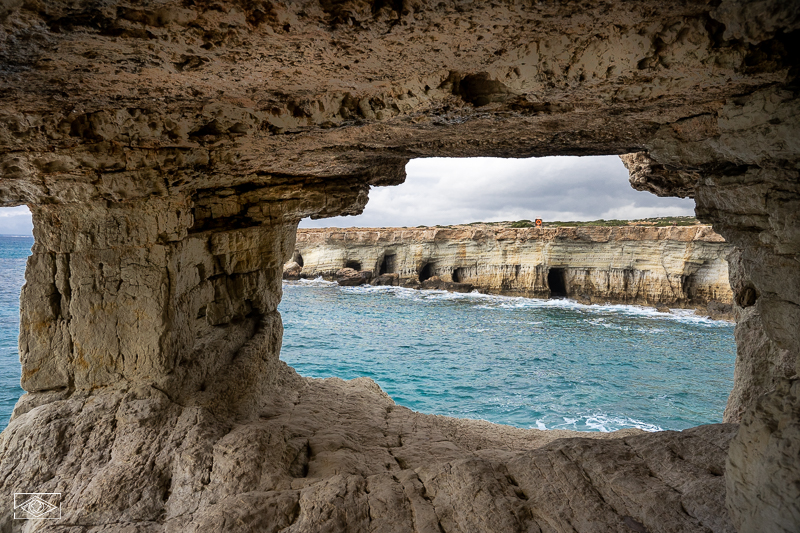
point(762, 480)
point(680, 266)
point(349, 277)
point(341, 456)
point(291, 270)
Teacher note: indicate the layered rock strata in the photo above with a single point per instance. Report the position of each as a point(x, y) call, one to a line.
point(677, 266)
point(168, 149)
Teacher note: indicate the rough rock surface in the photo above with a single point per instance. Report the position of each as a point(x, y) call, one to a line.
point(764, 457)
point(292, 271)
point(349, 277)
point(330, 455)
point(680, 266)
point(387, 280)
point(168, 148)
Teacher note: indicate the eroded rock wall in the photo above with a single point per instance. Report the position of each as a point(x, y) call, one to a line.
point(681, 266)
point(754, 206)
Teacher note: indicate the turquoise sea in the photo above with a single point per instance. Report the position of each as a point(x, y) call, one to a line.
point(529, 363)
point(552, 364)
point(14, 252)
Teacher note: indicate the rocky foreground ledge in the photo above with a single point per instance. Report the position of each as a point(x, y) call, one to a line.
point(682, 266)
point(333, 455)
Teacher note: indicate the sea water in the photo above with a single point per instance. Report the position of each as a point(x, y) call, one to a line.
point(548, 364)
point(14, 252)
point(529, 363)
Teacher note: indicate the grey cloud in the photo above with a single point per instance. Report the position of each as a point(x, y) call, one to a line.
point(453, 191)
point(15, 221)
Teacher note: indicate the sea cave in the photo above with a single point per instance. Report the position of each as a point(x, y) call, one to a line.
point(167, 151)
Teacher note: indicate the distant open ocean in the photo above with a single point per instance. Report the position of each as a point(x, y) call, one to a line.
point(551, 364)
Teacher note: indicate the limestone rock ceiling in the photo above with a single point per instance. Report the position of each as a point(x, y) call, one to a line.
point(117, 100)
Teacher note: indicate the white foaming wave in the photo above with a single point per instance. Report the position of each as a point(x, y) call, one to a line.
point(603, 323)
point(686, 316)
point(497, 302)
point(540, 425)
point(606, 423)
point(313, 282)
point(689, 316)
point(400, 292)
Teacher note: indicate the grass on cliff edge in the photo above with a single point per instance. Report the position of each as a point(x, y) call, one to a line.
point(655, 222)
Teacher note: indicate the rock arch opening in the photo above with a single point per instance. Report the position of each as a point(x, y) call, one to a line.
point(689, 286)
point(458, 275)
point(118, 183)
point(352, 263)
point(297, 257)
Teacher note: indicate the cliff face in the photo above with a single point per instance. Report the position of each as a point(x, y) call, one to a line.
point(168, 149)
point(681, 266)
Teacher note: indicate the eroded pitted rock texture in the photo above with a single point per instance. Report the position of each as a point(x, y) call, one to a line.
point(761, 465)
point(678, 266)
point(329, 455)
point(168, 150)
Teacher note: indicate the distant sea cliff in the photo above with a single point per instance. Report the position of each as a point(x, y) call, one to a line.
point(680, 266)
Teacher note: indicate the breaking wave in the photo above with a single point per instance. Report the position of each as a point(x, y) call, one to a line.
point(557, 364)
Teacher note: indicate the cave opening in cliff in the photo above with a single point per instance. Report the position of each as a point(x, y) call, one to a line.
point(557, 282)
point(297, 257)
point(689, 286)
point(426, 272)
point(388, 264)
point(351, 263)
point(458, 275)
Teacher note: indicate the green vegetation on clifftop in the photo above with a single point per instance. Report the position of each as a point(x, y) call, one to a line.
point(656, 222)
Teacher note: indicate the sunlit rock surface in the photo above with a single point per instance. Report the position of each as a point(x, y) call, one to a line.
point(168, 149)
point(678, 266)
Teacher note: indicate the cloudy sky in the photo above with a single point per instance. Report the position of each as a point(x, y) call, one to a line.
point(15, 221)
point(456, 191)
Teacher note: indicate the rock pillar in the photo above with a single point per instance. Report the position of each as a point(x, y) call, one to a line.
point(761, 219)
point(755, 207)
point(135, 293)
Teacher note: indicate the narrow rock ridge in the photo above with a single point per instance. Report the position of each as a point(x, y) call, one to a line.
point(678, 266)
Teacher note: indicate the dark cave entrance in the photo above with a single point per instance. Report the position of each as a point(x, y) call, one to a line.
point(689, 286)
point(297, 257)
point(557, 283)
point(388, 264)
point(458, 275)
point(426, 272)
point(355, 265)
